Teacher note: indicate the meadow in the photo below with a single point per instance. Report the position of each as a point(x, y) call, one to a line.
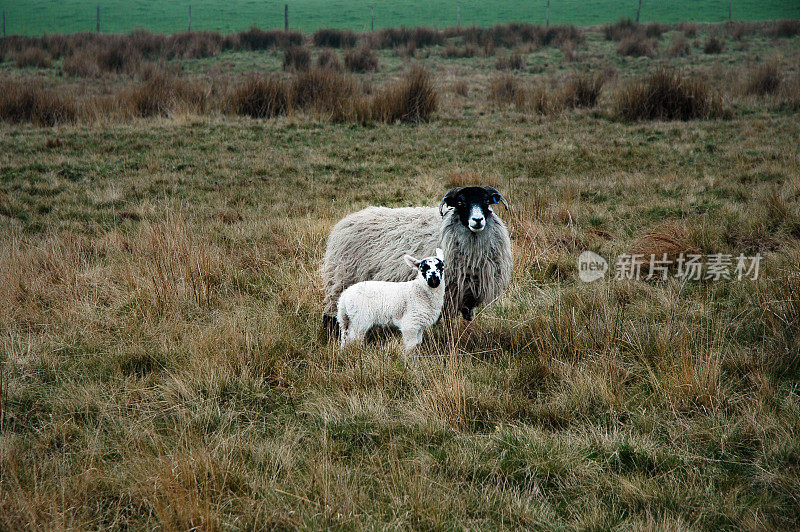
point(37, 17)
point(162, 362)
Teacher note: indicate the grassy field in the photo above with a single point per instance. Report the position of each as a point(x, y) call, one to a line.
point(36, 17)
point(162, 358)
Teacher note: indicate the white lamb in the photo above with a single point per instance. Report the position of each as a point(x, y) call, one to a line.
point(411, 306)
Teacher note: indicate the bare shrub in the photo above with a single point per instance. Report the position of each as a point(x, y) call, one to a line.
point(334, 38)
point(666, 95)
point(411, 99)
point(362, 59)
point(513, 61)
point(581, 90)
point(29, 102)
point(504, 89)
point(296, 58)
point(635, 45)
point(764, 79)
point(784, 28)
point(680, 47)
point(33, 57)
point(162, 94)
point(261, 97)
point(714, 45)
point(328, 59)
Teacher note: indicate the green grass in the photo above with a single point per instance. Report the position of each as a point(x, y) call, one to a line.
point(162, 362)
point(35, 17)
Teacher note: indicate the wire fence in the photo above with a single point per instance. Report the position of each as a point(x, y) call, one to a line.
point(38, 17)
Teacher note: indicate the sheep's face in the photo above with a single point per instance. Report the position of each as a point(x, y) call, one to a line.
point(473, 205)
point(431, 269)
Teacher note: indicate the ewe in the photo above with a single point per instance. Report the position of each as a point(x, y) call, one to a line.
point(368, 245)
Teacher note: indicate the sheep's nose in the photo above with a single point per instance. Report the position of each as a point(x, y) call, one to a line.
point(478, 221)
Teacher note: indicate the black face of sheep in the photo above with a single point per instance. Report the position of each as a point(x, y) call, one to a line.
point(473, 205)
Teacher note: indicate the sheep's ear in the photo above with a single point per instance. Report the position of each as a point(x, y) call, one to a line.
point(439, 254)
point(449, 199)
point(411, 261)
point(495, 196)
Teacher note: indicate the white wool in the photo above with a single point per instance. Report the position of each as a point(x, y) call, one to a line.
point(411, 306)
point(369, 245)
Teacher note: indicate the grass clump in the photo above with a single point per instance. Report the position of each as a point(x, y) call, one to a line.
point(261, 97)
point(581, 90)
point(513, 61)
point(666, 95)
point(636, 45)
point(33, 57)
point(714, 45)
point(680, 47)
point(296, 58)
point(162, 94)
point(362, 59)
point(411, 99)
point(764, 79)
point(334, 38)
point(29, 102)
point(328, 59)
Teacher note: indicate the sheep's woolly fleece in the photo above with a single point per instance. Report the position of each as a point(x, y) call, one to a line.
point(369, 245)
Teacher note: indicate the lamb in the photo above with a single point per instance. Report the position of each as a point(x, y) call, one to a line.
point(368, 244)
point(411, 306)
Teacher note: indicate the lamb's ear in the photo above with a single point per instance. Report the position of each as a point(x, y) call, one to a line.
point(411, 261)
point(449, 199)
point(495, 196)
point(439, 254)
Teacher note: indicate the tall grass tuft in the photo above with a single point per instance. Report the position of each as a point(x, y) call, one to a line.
point(362, 59)
point(296, 58)
point(162, 94)
point(666, 95)
point(33, 57)
point(411, 99)
point(764, 79)
point(261, 97)
point(29, 102)
point(334, 38)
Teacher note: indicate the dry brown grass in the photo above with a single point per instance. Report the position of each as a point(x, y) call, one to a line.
point(636, 45)
point(580, 90)
point(504, 89)
point(29, 102)
point(763, 79)
point(261, 97)
point(163, 94)
point(411, 99)
point(680, 47)
point(33, 57)
point(327, 58)
point(513, 61)
point(714, 45)
point(362, 59)
point(296, 58)
point(667, 95)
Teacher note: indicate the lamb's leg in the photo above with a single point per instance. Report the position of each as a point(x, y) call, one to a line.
point(411, 338)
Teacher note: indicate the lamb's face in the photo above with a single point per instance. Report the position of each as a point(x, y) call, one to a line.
point(473, 205)
point(432, 270)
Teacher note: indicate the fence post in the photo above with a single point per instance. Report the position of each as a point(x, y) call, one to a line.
point(371, 18)
point(286, 17)
point(458, 17)
point(4, 23)
point(547, 19)
point(190, 17)
point(730, 10)
point(638, 11)
point(98, 19)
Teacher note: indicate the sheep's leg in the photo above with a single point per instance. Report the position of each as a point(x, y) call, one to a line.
point(411, 338)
